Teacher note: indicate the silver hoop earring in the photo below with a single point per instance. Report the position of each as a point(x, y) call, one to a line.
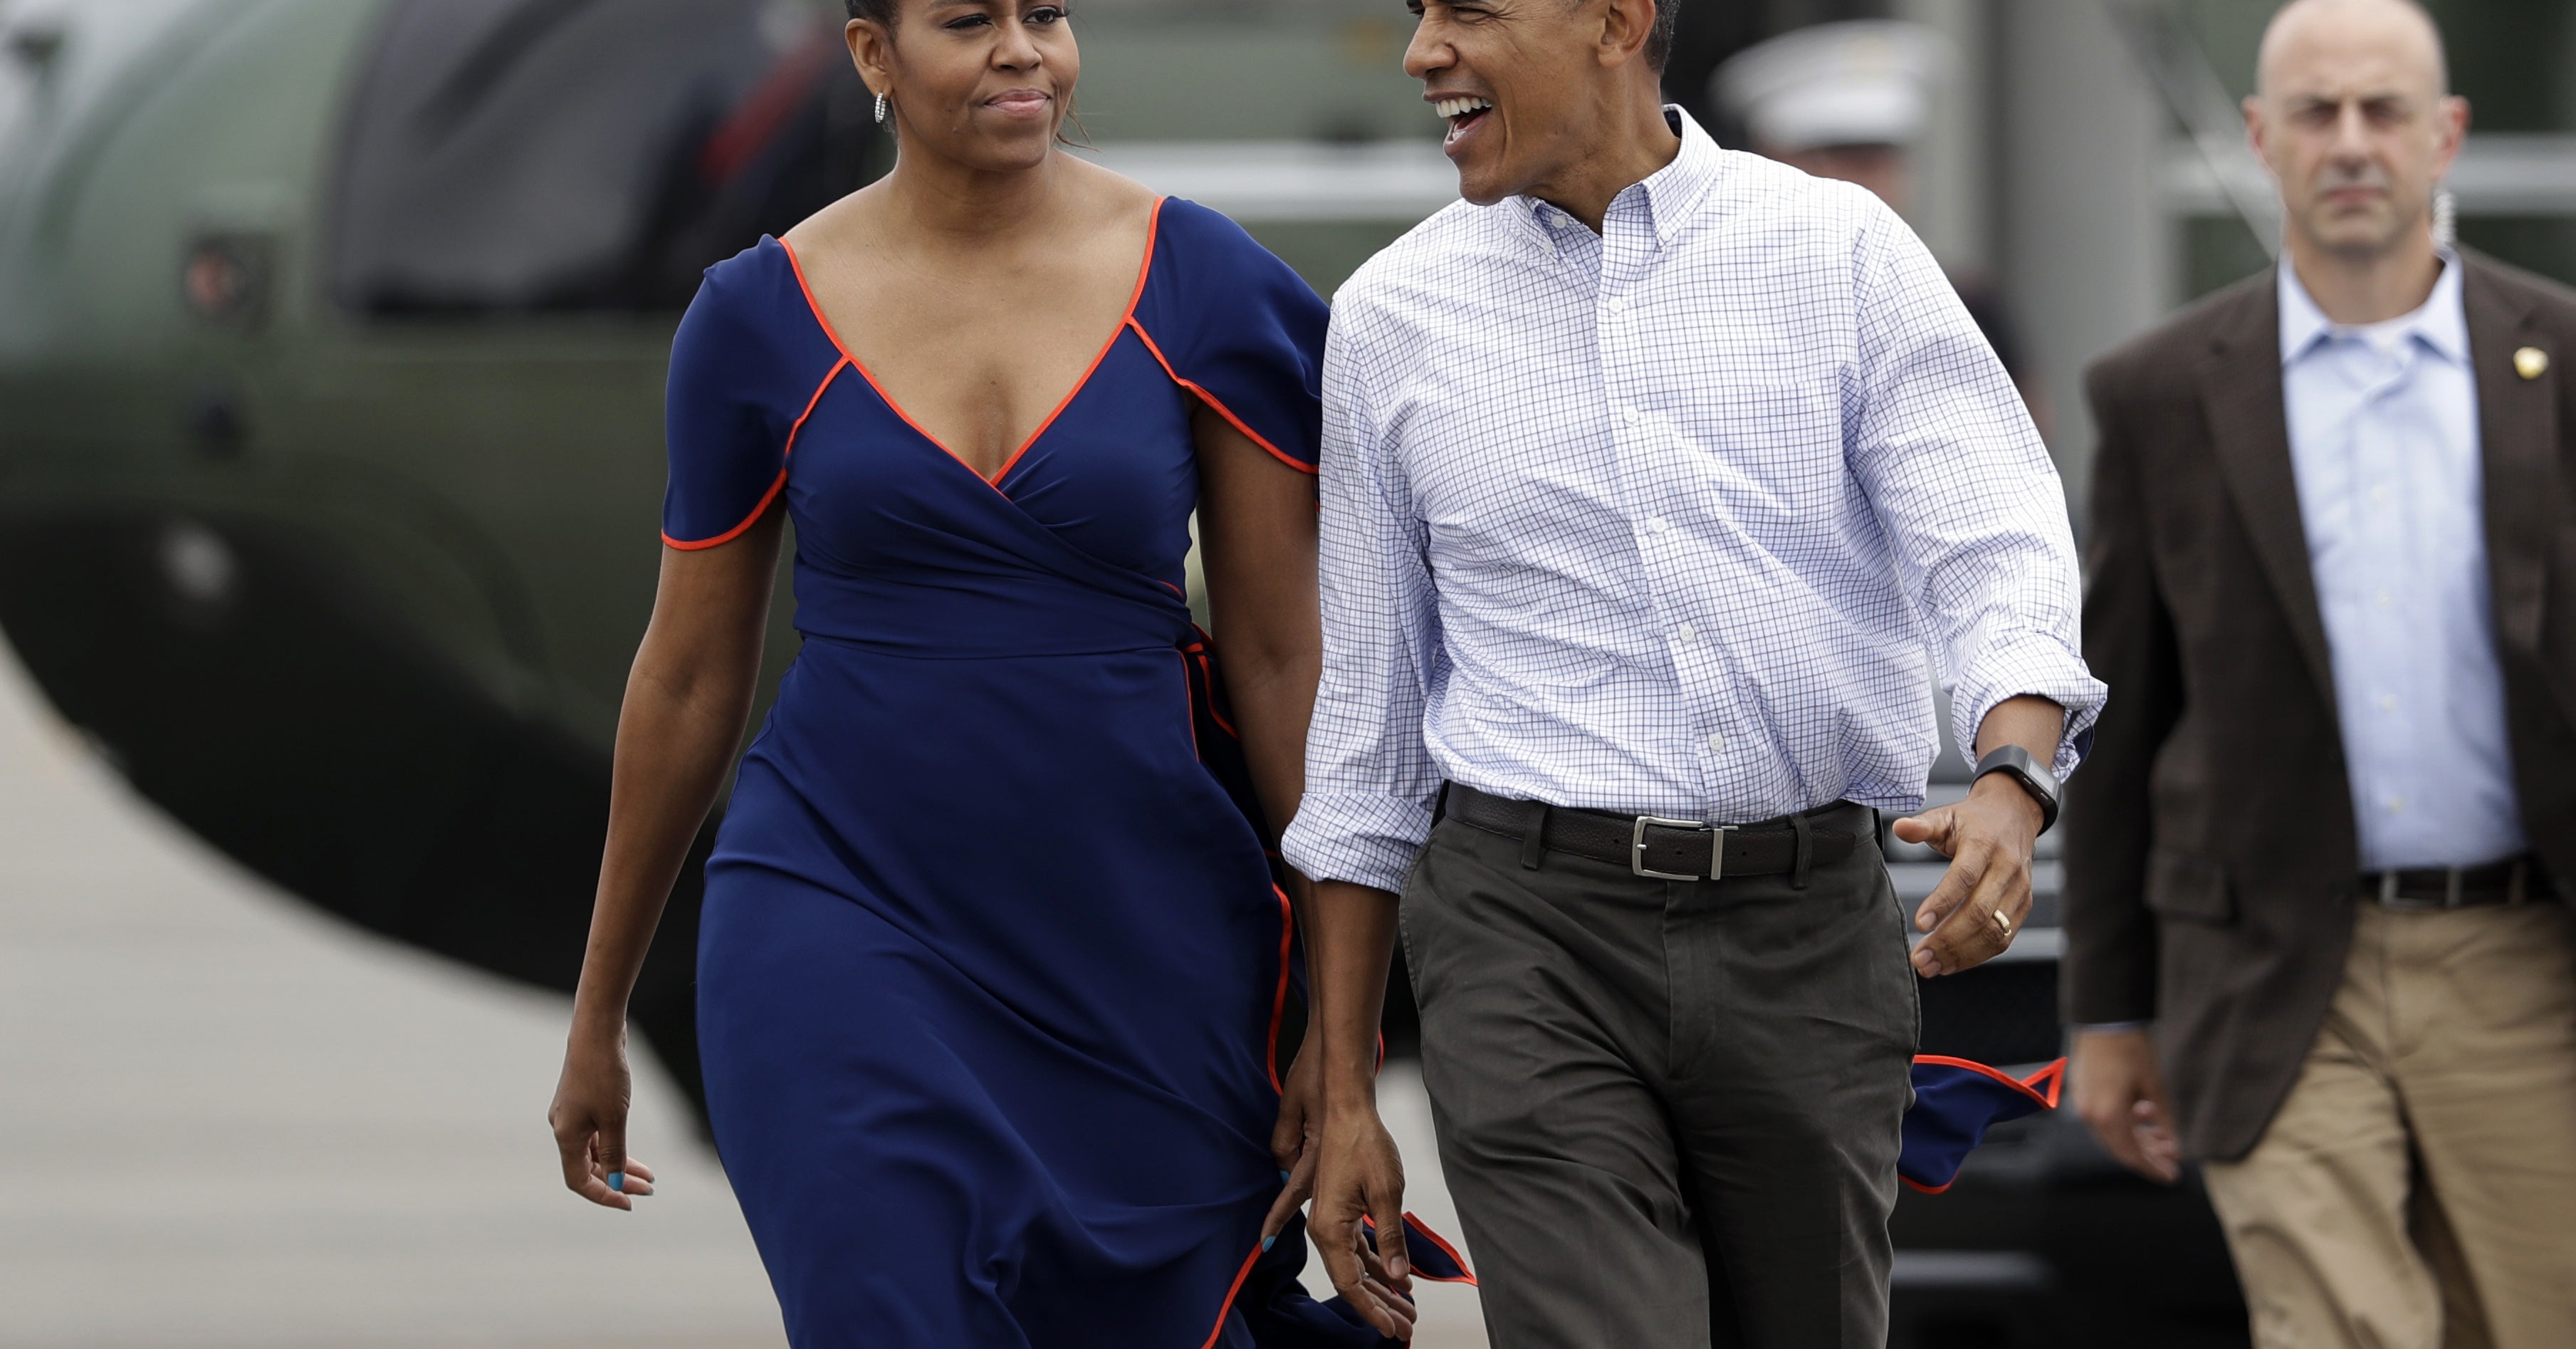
point(881, 109)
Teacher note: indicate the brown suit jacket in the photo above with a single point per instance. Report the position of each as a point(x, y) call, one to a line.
point(2211, 854)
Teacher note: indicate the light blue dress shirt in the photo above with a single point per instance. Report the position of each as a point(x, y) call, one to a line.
point(1675, 519)
point(2383, 424)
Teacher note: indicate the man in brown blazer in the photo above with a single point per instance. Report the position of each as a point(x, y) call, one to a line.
point(2319, 858)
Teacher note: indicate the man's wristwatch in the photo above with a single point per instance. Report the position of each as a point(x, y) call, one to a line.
point(2033, 777)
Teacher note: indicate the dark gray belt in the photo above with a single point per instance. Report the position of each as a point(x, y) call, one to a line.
point(2515, 880)
point(1671, 850)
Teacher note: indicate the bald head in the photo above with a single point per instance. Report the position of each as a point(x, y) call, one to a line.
point(2401, 32)
point(2352, 112)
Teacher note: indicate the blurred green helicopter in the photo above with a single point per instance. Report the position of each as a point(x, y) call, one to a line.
point(332, 338)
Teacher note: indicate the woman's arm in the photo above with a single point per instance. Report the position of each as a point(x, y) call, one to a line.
point(1257, 545)
point(1257, 541)
point(687, 698)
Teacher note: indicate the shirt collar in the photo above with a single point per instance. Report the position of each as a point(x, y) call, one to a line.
point(1670, 193)
point(2442, 322)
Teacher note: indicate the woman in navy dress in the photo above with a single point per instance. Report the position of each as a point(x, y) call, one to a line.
point(992, 962)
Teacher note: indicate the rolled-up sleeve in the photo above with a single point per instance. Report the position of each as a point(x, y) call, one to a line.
point(1965, 491)
point(1369, 774)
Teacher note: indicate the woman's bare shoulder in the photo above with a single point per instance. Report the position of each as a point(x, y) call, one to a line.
point(1109, 197)
point(834, 226)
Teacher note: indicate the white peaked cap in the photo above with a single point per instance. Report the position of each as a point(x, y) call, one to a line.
point(1866, 82)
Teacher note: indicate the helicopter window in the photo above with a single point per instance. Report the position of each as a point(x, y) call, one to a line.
point(586, 155)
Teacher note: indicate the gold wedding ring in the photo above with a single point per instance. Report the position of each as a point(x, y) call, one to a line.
point(2004, 923)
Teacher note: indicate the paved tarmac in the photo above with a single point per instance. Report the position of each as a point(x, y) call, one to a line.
point(228, 1120)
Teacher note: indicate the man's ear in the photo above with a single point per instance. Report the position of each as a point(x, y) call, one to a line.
point(1626, 26)
point(2454, 112)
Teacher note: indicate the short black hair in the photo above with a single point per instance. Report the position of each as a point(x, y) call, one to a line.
point(1659, 43)
point(874, 11)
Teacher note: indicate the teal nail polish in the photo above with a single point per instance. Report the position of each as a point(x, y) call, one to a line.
point(1268, 1242)
point(617, 1181)
point(1285, 1176)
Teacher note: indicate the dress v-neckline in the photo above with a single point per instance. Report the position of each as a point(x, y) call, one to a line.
point(1126, 319)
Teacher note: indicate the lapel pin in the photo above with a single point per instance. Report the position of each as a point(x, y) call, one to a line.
point(2531, 362)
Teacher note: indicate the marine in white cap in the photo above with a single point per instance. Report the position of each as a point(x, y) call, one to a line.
point(1840, 100)
point(1848, 101)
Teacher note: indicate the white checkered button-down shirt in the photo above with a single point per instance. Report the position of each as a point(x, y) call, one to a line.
point(1669, 520)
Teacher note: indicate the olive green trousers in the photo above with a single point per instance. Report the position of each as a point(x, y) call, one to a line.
point(1668, 1110)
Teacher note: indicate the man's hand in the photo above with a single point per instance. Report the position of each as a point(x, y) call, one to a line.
point(1976, 910)
point(1359, 1174)
point(1978, 907)
point(2120, 1093)
point(1356, 1172)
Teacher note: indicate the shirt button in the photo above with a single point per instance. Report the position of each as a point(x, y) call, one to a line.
point(1617, 305)
point(1717, 742)
point(1632, 416)
point(2388, 702)
point(1654, 524)
point(2396, 804)
point(2385, 600)
point(1685, 634)
point(2379, 496)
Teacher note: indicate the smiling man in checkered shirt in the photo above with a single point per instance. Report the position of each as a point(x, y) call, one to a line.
point(1657, 479)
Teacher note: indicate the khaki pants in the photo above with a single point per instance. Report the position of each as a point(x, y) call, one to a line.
point(2418, 1188)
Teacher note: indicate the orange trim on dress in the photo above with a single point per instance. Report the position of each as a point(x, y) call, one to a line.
point(1214, 402)
point(1207, 671)
point(1416, 1225)
point(1144, 271)
point(1287, 910)
point(1227, 1306)
point(2032, 1086)
point(783, 452)
point(2053, 1076)
point(1279, 998)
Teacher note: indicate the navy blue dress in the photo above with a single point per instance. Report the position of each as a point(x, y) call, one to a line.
point(992, 961)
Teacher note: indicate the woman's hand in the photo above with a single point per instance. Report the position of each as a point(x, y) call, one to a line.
point(1292, 1140)
point(686, 701)
point(589, 1119)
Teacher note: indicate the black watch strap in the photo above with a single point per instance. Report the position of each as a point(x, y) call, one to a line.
point(2028, 771)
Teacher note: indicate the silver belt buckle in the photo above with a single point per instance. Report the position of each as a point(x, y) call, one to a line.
point(1716, 848)
point(2452, 892)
